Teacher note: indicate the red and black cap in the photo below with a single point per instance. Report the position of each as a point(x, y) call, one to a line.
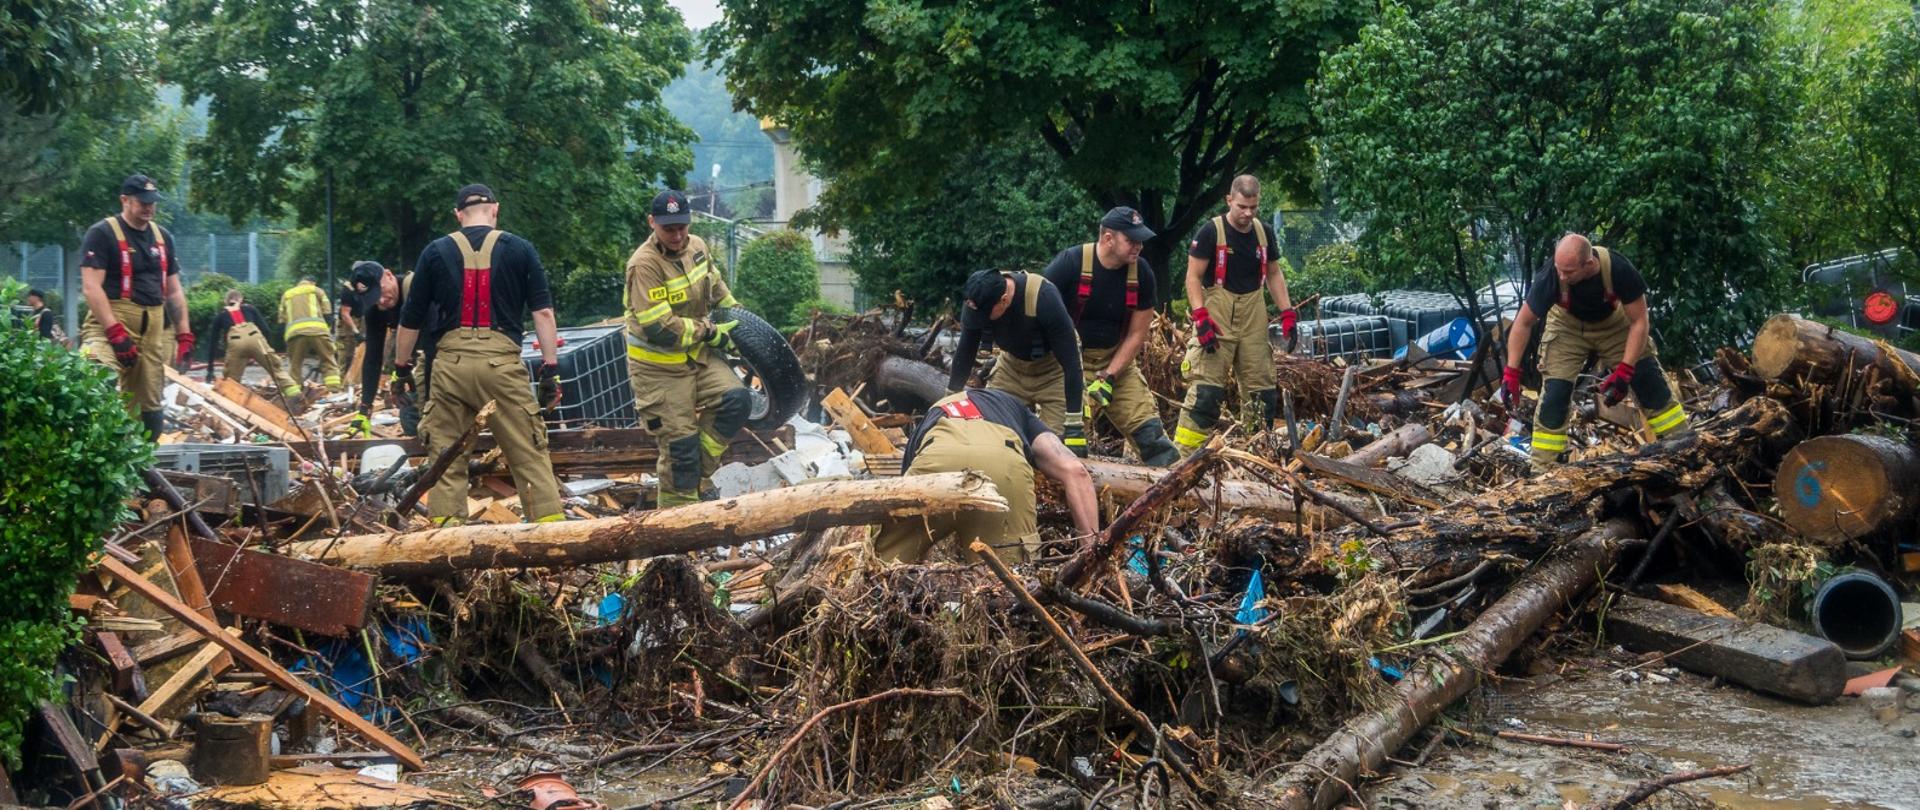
point(670, 208)
point(473, 194)
point(140, 187)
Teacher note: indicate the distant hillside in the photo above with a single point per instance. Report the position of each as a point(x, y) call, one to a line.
point(732, 139)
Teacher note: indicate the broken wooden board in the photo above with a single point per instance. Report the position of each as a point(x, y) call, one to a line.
point(867, 438)
point(209, 494)
point(128, 680)
point(259, 662)
point(1371, 480)
point(231, 408)
point(1758, 656)
point(188, 585)
point(262, 407)
point(281, 590)
point(1692, 600)
point(170, 699)
point(323, 787)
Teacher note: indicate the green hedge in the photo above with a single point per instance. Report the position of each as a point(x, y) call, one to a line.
point(777, 277)
point(73, 455)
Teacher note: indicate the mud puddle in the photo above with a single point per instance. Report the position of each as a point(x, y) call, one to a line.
point(1834, 756)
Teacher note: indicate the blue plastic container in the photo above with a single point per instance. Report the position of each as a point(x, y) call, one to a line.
point(1453, 341)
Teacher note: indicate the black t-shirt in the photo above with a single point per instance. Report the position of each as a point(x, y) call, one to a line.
point(1103, 315)
point(1589, 296)
point(1244, 270)
point(98, 249)
point(1049, 331)
point(518, 281)
point(222, 322)
point(375, 324)
point(997, 407)
point(43, 322)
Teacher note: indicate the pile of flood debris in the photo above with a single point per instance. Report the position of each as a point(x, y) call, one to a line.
point(1267, 623)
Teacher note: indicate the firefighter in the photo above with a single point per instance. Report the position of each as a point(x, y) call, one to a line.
point(996, 434)
point(1230, 259)
point(237, 326)
point(470, 290)
point(41, 320)
point(1110, 292)
point(303, 308)
point(1038, 361)
point(678, 323)
point(127, 271)
point(346, 326)
point(1595, 305)
point(380, 298)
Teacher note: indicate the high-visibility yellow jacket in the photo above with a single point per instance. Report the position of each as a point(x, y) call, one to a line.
point(667, 297)
point(303, 308)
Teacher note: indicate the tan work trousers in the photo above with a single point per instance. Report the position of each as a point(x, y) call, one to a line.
point(1244, 352)
point(141, 383)
point(471, 368)
point(678, 401)
point(1565, 345)
point(245, 344)
point(953, 445)
point(301, 348)
point(1041, 384)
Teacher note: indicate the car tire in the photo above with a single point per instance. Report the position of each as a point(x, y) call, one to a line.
point(782, 388)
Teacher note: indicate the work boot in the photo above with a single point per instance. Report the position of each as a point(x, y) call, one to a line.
point(1154, 446)
point(154, 422)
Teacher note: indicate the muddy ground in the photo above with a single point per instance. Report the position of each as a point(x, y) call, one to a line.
point(1834, 756)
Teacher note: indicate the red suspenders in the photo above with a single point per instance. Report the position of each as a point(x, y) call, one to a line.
point(1220, 251)
point(126, 256)
point(476, 289)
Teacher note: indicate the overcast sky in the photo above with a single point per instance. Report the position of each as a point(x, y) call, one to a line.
point(699, 13)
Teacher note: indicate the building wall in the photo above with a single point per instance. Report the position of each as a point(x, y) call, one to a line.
point(794, 190)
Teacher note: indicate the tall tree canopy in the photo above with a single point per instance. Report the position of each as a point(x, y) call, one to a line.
point(1649, 123)
point(1151, 105)
point(556, 105)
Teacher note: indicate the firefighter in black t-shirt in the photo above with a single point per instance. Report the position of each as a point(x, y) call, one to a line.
point(1110, 292)
point(379, 298)
point(40, 319)
point(130, 280)
point(1230, 259)
point(469, 292)
point(1039, 354)
point(1595, 304)
point(996, 434)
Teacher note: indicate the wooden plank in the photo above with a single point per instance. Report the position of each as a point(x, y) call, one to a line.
point(259, 662)
point(1692, 600)
point(209, 494)
point(128, 679)
point(187, 583)
point(273, 588)
point(231, 408)
point(1371, 480)
point(867, 438)
point(165, 648)
point(261, 406)
point(167, 701)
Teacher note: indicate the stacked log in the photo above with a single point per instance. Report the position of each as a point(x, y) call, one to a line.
point(1837, 488)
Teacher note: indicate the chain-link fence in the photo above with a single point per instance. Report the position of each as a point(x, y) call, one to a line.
point(250, 257)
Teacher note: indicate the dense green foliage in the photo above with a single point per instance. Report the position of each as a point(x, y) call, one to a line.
point(1649, 124)
point(556, 105)
point(73, 454)
point(777, 277)
point(1151, 105)
point(1002, 207)
point(49, 52)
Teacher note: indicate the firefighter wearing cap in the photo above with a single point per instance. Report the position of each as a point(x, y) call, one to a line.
point(470, 290)
point(346, 326)
point(237, 326)
point(1038, 358)
point(1595, 305)
point(303, 308)
point(1231, 258)
point(1110, 292)
point(379, 297)
point(678, 320)
point(131, 282)
point(996, 434)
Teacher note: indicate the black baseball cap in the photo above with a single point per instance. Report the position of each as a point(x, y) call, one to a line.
point(140, 187)
point(984, 289)
point(1129, 222)
point(670, 208)
point(366, 274)
point(473, 194)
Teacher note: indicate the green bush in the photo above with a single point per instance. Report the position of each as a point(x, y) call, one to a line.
point(589, 294)
point(1336, 268)
point(72, 455)
point(777, 274)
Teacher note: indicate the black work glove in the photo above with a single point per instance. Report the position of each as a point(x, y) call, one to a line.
point(550, 385)
point(124, 349)
point(400, 387)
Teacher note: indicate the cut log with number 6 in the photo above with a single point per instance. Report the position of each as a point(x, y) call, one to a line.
point(1834, 488)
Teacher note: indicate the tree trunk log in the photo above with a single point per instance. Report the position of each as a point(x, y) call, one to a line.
point(1398, 443)
point(1127, 482)
point(1793, 349)
point(1833, 488)
point(908, 384)
point(1322, 777)
point(662, 531)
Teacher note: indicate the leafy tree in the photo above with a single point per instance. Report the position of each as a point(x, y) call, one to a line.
point(777, 276)
point(1000, 207)
point(556, 105)
point(49, 50)
point(1156, 106)
point(1468, 126)
point(86, 452)
point(1875, 143)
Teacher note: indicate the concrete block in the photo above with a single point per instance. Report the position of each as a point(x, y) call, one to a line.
point(1769, 659)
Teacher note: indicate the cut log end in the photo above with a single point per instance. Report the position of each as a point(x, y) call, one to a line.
point(1777, 346)
point(1833, 488)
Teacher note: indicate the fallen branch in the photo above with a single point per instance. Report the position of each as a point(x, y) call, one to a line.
point(745, 797)
point(1565, 742)
point(1179, 478)
point(1645, 790)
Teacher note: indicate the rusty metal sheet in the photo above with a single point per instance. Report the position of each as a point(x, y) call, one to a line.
point(281, 590)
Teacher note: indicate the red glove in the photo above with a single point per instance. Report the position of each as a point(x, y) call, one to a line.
point(1205, 329)
point(182, 347)
point(1510, 382)
point(1288, 320)
point(1615, 385)
point(124, 349)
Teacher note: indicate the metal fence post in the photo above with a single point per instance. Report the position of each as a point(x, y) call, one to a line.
point(213, 254)
point(253, 257)
point(70, 294)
